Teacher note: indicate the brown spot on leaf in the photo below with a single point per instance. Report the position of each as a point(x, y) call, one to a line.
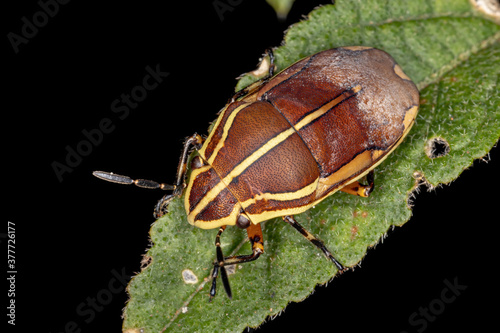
point(354, 231)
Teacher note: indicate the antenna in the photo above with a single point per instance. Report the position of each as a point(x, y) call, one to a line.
point(144, 183)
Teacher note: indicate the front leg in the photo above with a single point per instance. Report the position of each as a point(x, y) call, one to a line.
point(256, 85)
point(161, 208)
point(195, 141)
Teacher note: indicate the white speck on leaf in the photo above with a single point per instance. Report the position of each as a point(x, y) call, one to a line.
point(189, 277)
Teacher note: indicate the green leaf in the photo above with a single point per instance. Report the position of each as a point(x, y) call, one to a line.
point(452, 52)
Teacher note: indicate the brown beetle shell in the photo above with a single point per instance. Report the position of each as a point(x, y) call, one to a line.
point(315, 127)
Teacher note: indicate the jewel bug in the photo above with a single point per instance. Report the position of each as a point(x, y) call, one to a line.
point(287, 142)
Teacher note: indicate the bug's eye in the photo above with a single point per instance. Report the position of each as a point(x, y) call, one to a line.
point(242, 222)
point(197, 162)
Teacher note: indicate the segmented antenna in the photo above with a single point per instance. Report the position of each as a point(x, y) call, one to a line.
point(144, 183)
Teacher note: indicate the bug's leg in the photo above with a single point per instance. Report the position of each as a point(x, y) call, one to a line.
point(310, 237)
point(356, 188)
point(193, 141)
point(255, 86)
point(161, 207)
point(272, 66)
point(256, 238)
point(219, 265)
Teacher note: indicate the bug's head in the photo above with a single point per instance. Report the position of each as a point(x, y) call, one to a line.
point(209, 203)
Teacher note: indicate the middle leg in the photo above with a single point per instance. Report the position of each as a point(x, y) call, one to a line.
point(255, 236)
point(356, 188)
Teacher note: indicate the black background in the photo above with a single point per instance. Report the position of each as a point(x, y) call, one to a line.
point(71, 234)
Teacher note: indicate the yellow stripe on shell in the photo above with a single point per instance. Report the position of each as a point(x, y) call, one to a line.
point(325, 108)
point(225, 131)
point(356, 48)
point(286, 196)
point(377, 156)
point(187, 192)
point(228, 220)
point(399, 72)
point(247, 162)
point(214, 191)
point(267, 215)
point(321, 186)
